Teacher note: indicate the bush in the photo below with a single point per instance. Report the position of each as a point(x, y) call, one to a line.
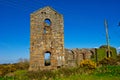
point(54, 74)
point(111, 70)
point(88, 64)
point(41, 75)
point(9, 68)
point(118, 58)
point(5, 69)
point(108, 61)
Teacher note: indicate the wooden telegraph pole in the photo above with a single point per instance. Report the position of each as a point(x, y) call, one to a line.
point(107, 38)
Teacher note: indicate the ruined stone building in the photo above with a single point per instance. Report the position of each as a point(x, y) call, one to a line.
point(47, 37)
point(73, 57)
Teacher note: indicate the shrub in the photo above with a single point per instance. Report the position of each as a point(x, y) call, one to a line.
point(9, 68)
point(118, 58)
point(111, 70)
point(108, 61)
point(41, 75)
point(88, 64)
point(5, 69)
point(23, 64)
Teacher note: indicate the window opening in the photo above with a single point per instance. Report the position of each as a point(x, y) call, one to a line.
point(109, 54)
point(83, 56)
point(47, 22)
point(47, 57)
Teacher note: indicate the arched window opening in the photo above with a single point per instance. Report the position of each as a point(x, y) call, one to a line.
point(73, 54)
point(47, 56)
point(41, 12)
point(47, 22)
point(92, 54)
point(83, 56)
point(109, 54)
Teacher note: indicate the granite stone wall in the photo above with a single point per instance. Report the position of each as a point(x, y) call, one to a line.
point(46, 36)
point(73, 57)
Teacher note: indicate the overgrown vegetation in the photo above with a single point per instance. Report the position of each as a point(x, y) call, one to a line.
point(107, 69)
point(88, 64)
point(7, 69)
point(101, 53)
point(78, 73)
point(108, 61)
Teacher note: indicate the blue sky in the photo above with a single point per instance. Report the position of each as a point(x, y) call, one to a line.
point(83, 24)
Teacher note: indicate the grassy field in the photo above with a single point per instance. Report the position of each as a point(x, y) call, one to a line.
point(90, 77)
point(107, 69)
point(101, 73)
point(73, 77)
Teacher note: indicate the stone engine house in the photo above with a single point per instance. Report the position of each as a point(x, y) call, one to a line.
point(46, 38)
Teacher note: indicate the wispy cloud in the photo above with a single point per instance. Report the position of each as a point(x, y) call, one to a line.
point(118, 48)
point(96, 47)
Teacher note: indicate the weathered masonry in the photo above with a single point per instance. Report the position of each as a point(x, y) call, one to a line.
point(47, 43)
point(46, 39)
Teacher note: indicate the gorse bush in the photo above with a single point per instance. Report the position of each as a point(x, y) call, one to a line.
point(88, 64)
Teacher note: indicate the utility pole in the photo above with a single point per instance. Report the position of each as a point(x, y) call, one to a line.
point(107, 38)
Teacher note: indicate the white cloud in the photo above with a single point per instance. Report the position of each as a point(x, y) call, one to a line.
point(118, 48)
point(96, 47)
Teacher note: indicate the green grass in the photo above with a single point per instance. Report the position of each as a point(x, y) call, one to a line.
point(6, 78)
point(101, 73)
point(90, 77)
point(72, 77)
